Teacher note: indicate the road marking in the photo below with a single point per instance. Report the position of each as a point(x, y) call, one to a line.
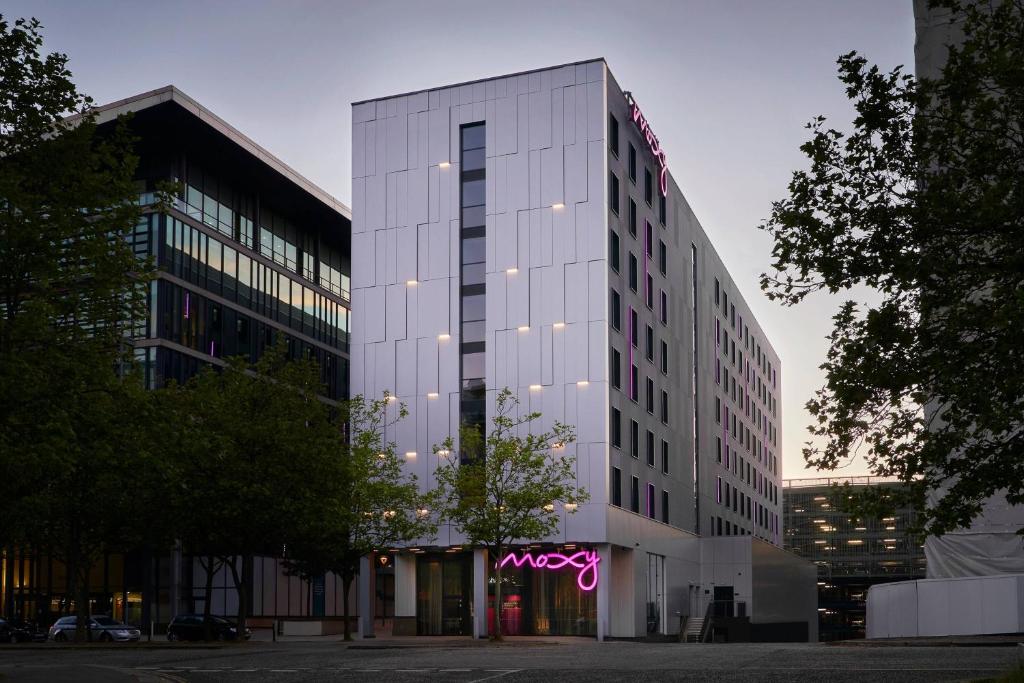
point(501, 672)
point(451, 670)
point(282, 671)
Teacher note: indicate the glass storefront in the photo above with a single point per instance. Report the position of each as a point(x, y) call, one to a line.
point(538, 601)
point(444, 594)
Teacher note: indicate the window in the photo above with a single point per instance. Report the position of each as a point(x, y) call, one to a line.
point(664, 456)
point(632, 218)
point(718, 410)
point(664, 307)
point(648, 187)
point(613, 249)
point(616, 369)
point(718, 492)
point(634, 494)
point(634, 439)
point(616, 428)
point(664, 406)
point(662, 257)
point(616, 487)
point(649, 239)
point(662, 208)
point(633, 331)
point(616, 311)
point(650, 396)
point(718, 447)
point(634, 384)
point(613, 134)
point(650, 499)
point(664, 507)
point(649, 346)
point(633, 271)
point(664, 357)
point(632, 163)
point(716, 291)
point(650, 448)
point(613, 192)
point(732, 316)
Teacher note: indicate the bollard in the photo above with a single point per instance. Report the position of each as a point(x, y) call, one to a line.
point(151, 631)
point(274, 626)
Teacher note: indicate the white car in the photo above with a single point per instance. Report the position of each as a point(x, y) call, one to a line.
point(102, 628)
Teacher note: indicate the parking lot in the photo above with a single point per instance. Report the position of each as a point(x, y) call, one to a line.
point(515, 660)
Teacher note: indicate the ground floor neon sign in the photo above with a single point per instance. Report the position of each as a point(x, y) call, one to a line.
point(585, 561)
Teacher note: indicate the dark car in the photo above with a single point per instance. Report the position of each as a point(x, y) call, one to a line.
point(191, 627)
point(102, 628)
point(19, 631)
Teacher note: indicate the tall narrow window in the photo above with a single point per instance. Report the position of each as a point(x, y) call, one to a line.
point(634, 494)
point(633, 272)
point(616, 428)
point(632, 218)
point(664, 456)
point(664, 507)
point(613, 250)
point(632, 163)
point(616, 312)
point(616, 369)
point(616, 487)
point(613, 134)
point(613, 192)
point(650, 448)
point(648, 187)
point(472, 401)
point(650, 500)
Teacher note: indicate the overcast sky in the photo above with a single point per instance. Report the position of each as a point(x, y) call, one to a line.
point(727, 85)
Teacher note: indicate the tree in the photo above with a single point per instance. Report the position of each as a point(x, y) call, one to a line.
point(261, 457)
point(511, 493)
point(371, 503)
point(922, 204)
point(71, 290)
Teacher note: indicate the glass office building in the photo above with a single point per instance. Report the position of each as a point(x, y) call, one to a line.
point(248, 251)
point(851, 554)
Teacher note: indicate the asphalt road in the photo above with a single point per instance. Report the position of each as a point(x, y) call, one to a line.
point(564, 660)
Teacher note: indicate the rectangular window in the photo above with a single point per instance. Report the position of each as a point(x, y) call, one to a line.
point(613, 249)
point(634, 494)
point(664, 307)
point(664, 456)
point(616, 369)
point(649, 345)
point(616, 487)
point(650, 448)
point(664, 507)
point(632, 218)
point(613, 192)
point(651, 492)
point(648, 187)
point(718, 448)
point(662, 257)
point(633, 325)
point(718, 492)
point(634, 439)
point(632, 163)
point(634, 384)
point(649, 239)
point(664, 406)
point(616, 427)
point(662, 208)
point(616, 312)
point(650, 396)
point(633, 274)
point(664, 357)
point(613, 134)
point(649, 291)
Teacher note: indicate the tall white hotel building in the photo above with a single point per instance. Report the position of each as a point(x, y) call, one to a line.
point(525, 231)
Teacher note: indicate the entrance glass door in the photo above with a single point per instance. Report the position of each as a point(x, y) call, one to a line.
point(444, 590)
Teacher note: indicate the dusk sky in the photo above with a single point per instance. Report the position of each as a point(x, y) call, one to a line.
point(726, 85)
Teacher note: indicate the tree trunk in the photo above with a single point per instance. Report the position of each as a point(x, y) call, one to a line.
point(209, 565)
point(82, 631)
point(242, 587)
point(346, 585)
point(497, 596)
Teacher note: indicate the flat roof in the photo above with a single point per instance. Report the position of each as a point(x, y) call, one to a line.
point(481, 80)
point(169, 93)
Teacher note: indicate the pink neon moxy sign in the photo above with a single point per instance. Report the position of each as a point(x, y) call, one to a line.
point(652, 141)
point(584, 561)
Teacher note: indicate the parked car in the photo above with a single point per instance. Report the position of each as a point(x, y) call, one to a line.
point(190, 627)
point(19, 631)
point(103, 629)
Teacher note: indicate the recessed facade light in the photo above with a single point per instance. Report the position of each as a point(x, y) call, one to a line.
point(444, 164)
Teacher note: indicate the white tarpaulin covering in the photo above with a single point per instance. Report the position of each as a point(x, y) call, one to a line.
point(990, 546)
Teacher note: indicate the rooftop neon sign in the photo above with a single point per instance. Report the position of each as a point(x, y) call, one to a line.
point(652, 141)
point(584, 560)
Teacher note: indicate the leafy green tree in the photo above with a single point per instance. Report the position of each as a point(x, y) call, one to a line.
point(260, 456)
point(371, 503)
point(511, 493)
point(922, 204)
point(71, 290)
